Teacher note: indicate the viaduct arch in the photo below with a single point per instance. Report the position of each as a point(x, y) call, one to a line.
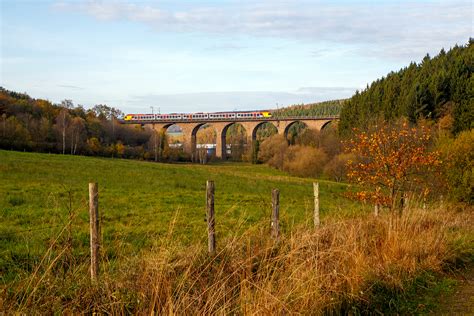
point(190, 128)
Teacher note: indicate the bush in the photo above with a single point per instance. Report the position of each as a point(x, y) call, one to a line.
point(459, 166)
point(272, 150)
point(336, 168)
point(304, 161)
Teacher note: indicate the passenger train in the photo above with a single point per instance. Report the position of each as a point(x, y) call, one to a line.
point(198, 116)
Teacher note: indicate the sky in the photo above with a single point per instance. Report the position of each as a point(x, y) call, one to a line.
point(192, 56)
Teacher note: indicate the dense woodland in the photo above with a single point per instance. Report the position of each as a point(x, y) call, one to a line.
point(436, 88)
point(39, 125)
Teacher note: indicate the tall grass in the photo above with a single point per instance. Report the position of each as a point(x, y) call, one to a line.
point(353, 265)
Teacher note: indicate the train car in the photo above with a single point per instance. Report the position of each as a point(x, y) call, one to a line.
point(169, 117)
point(139, 117)
point(199, 116)
point(254, 114)
point(221, 115)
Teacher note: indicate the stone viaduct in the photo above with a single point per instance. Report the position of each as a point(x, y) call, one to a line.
point(190, 128)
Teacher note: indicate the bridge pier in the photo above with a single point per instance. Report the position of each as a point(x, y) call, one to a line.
point(283, 126)
point(221, 130)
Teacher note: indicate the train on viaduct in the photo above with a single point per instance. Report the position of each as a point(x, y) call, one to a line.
point(189, 123)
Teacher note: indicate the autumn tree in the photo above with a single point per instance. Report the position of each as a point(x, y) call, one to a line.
point(392, 159)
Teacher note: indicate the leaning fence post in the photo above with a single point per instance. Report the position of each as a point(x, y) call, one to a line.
point(275, 213)
point(94, 229)
point(210, 217)
point(316, 204)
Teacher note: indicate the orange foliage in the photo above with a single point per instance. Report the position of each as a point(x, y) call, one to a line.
point(391, 157)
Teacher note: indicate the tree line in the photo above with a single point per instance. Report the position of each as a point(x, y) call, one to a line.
point(39, 125)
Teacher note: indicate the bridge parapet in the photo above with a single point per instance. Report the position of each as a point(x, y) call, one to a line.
point(235, 120)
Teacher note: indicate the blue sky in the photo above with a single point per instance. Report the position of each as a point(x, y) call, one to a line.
point(188, 56)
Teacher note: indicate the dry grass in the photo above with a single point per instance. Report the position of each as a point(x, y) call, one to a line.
point(336, 269)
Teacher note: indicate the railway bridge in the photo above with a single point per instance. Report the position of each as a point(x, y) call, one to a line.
point(190, 127)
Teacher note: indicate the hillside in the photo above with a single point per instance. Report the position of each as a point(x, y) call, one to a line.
point(41, 126)
point(435, 88)
point(321, 109)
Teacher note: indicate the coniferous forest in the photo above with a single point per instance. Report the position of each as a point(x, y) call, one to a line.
point(435, 88)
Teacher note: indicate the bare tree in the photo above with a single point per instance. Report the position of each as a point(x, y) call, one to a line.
point(76, 130)
point(4, 116)
point(62, 123)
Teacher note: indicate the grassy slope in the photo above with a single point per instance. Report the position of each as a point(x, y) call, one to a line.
point(138, 201)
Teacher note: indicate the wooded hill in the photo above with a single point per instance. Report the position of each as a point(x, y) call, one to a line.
point(435, 88)
point(320, 109)
point(39, 125)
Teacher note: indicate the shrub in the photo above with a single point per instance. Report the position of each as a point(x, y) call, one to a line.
point(336, 168)
point(304, 161)
point(459, 167)
point(272, 150)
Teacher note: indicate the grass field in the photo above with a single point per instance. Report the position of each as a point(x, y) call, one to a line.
point(39, 193)
point(154, 256)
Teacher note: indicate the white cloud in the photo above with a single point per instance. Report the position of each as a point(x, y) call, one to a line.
point(405, 29)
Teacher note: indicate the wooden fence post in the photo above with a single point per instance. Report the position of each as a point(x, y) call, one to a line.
point(376, 209)
point(210, 217)
point(316, 204)
point(275, 213)
point(94, 229)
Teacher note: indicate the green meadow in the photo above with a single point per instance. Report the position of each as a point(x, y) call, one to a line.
point(44, 194)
